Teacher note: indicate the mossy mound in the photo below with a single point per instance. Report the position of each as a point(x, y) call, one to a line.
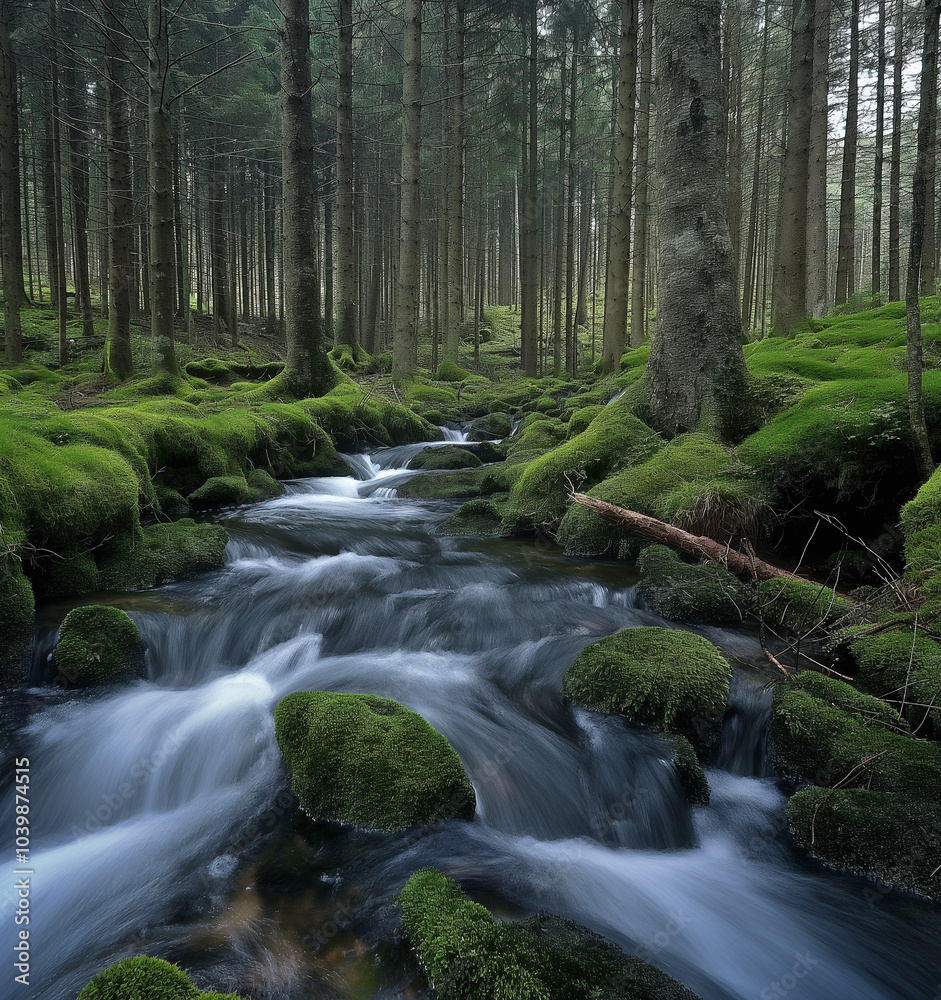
point(476, 517)
point(350, 357)
point(690, 592)
point(172, 504)
point(461, 484)
point(146, 978)
point(694, 482)
point(581, 419)
point(448, 371)
point(210, 369)
point(264, 484)
point(800, 606)
point(68, 577)
point(221, 491)
point(921, 523)
point(17, 608)
point(468, 956)
point(487, 451)
point(448, 457)
point(369, 762)
point(826, 732)
point(689, 770)
point(97, 645)
point(491, 427)
point(675, 681)
point(893, 840)
point(614, 439)
point(161, 554)
point(904, 667)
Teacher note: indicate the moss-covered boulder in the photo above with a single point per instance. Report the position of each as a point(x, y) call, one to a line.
point(487, 451)
point(490, 427)
point(68, 577)
point(921, 524)
point(690, 592)
point(826, 732)
point(448, 371)
point(904, 667)
point(98, 645)
point(613, 440)
point(222, 491)
point(467, 955)
point(799, 606)
point(210, 369)
point(448, 457)
point(17, 609)
point(476, 517)
point(163, 553)
point(146, 978)
point(460, 484)
point(675, 681)
point(263, 484)
point(581, 418)
point(885, 837)
point(369, 762)
point(689, 770)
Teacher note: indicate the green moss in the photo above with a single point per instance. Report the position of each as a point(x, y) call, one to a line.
point(146, 978)
point(921, 523)
point(894, 840)
point(491, 427)
point(211, 369)
point(581, 418)
point(825, 731)
point(69, 577)
point(800, 606)
point(903, 667)
point(17, 609)
point(448, 457)
point(97, 645)
point(263, 484)
point(690, 592)
point(369, 761)
point(675, 681)
point(457, 485)
point(161, 554)
point(689, 770)
point(468, 956)
point(448, 371)
point(172, 504)
point(221, 491)
point(350, 357)
point(476, 517)
point(613, 440)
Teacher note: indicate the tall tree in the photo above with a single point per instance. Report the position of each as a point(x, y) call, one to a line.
point(9, 184)
point(818, 254)
point(926, 114)
point(405, 353)
point(876, 284)
point(346, 299)
point(895, 161)
point(642, 201)
point(529, 240)
point(696, 372)
point(455, 241)
point(309, 372)
point(846, 250)
point(618, 255)
point(789, 294)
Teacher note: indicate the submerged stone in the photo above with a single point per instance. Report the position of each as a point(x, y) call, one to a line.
point(97, 645)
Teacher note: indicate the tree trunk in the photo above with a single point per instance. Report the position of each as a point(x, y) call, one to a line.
point(405, 355)
point(895, 167)
point(818, 252)
point(642, 204)
point(160, 157)
point(9, 184)
point(571, 345)
point(120, 197)
point(789, 295)
point(270, 296)
point(58, 204)
point(846, 254)
point(696, 371)
point(926, 114)
point(529, 215)
point(618, 253)
point(345, 304)
point(455, 242)
point(222, 308)
point(929, 283)
point(559, 262)
point(309, 372)
point(878, 171)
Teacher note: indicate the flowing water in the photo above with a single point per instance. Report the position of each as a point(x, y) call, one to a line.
point(162, 821)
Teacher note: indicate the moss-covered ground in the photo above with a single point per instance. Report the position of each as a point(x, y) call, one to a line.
point(146, 978)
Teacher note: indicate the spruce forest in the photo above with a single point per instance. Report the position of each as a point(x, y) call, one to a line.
point(469, 525)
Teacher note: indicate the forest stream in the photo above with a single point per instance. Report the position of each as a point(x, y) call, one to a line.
point(163, 822)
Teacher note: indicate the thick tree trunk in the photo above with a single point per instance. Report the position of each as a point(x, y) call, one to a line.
point(618, 254)
point(309, 372)
point(696, 371)
point(585, 219)
point(529, 228)
point(222, 308)
point(345, 303)
point(642, 202)
point(120, 196)
point(895, 167)
point(559, 262)
point(789, 294)
point(926, 114)
point(269, 210)
point(455, 242)
point(818, 254)
point(405, 355)
point(160, 157)
point(9, 184)
point(929, 282)
point(58, 204)
point(846, 252)
point(876, 284)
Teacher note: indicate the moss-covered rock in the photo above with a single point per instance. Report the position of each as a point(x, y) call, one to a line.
point(369, 761)
point(146, 978)
point(490, 427)
point(826, 732)
point(69, 577)
point(222, 491)
point(172, 504)
point(487, 451)
point(689, 770)
point(468, 956)
point(448, 371)
point(799, 605)
point(263, 484)
point(675, 681)
point(162, 554)
point(895, 840)
point(210, 369)
point(448, 457)
point(97, 645)
point(904, 667)
point(690, 592)
point(581, 418)
point(921, 524)
point(476, 517)
point(17, 608)
point(460, 484)
point(613, 440)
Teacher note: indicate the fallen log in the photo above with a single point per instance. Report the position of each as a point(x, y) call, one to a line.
point(739, 563)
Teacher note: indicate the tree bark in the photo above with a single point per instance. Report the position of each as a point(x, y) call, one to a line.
point(618, 253)
point(58, 205)
point(455, 241)
point(789, 294)
point(223, 309)
point(846, 253)
point(895, 167)
point(529, 229)
point(9, 184)
point(696, 372)
point(309, 372)
point(560, 207)
point(876, 284)
point(818, 253)
point(345, 303)
point(405, 354)
point(926, 114)
point(642, 203)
